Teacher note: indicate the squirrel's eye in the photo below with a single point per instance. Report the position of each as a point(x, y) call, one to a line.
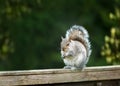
point(67, 44)
point(63, 49)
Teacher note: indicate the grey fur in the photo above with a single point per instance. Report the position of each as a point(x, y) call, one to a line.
point(76, 48)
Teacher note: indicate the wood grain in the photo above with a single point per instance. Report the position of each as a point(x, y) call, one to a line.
point(54, 76)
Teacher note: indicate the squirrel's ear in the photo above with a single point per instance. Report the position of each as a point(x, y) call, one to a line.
point(62, 38)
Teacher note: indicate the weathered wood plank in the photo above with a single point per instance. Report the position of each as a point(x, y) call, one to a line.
point(53, 76)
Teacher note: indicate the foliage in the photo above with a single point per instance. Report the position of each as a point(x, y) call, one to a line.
point(111, 49)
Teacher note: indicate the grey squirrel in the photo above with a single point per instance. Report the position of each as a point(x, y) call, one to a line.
point(75, 48)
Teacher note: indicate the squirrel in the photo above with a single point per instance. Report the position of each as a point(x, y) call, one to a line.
point(75, 48)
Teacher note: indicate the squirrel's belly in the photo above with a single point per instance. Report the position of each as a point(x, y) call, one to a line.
point(73, 62)
point(69, 62)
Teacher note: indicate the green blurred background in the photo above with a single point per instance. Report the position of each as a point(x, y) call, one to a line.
point(31, 30)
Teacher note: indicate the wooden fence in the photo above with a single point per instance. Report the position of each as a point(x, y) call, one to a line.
point(90, 76)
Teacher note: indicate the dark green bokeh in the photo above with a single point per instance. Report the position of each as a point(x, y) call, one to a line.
point(31, 30)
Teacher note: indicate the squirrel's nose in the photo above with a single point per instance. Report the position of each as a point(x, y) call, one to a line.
point(63, 56)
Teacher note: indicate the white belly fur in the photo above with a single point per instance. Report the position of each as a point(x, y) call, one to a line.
point(74, 61)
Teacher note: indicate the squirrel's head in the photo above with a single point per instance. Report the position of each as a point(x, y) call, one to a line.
point(67, 48)
point(64, 47)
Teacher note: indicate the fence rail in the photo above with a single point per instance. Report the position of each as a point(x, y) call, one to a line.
point(90, 76)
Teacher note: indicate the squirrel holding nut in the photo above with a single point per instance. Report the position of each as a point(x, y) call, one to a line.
point(75, 48)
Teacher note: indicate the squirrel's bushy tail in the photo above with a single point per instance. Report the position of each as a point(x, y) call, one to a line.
point(80, 34)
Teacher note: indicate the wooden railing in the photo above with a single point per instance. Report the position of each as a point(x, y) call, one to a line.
point(90, 76)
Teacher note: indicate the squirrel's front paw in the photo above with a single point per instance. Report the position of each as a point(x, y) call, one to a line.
point(70, 67)
point(67, 67)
